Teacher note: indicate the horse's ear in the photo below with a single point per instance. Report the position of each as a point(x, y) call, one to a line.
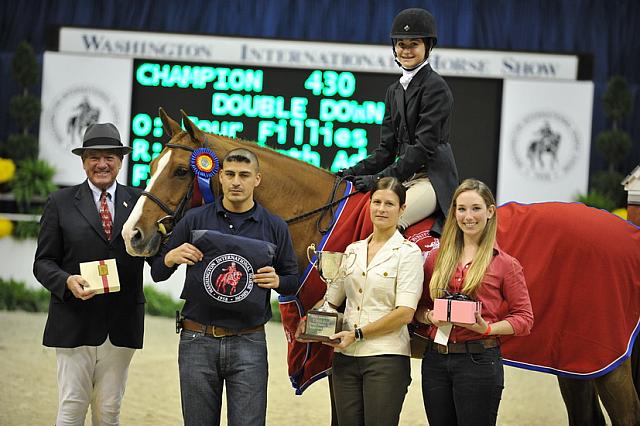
point(170, 126)
point(193, 130)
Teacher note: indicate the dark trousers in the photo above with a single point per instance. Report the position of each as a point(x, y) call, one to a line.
point(370, 390)
point(462, 389)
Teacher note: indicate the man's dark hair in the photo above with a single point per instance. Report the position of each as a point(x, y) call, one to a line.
point(241, 155)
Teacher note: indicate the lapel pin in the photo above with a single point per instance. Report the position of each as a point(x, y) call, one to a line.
point(125, 204)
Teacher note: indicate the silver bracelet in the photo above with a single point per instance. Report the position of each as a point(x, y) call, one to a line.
point(426, 317)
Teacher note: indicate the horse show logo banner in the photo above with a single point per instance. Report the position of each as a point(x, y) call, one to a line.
point(311, 54)
point(545, 145)
point(78, 90)
point(545, 141)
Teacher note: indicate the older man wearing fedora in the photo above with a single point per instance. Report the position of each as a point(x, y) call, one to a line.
point(95, 335)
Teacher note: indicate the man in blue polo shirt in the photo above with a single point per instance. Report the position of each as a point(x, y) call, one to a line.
point(219, 345)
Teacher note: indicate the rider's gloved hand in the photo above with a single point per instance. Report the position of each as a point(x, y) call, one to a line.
point(346, 174)
point(365, 183)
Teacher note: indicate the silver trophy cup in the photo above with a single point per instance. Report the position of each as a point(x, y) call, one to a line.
point(325, 321)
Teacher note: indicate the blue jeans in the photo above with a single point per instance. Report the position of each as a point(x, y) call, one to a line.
point(462, 389)
point(206, 363)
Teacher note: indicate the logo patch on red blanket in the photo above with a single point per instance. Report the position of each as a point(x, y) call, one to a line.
point(420, 234)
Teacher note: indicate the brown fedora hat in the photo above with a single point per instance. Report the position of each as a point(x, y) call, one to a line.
point(101, 136)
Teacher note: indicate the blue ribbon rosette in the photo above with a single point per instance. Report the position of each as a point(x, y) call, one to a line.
point(205, 165)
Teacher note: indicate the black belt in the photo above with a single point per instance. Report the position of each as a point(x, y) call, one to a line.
point(215, 331)
point(472, 346)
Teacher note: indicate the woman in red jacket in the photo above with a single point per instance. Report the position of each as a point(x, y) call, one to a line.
point(462, 375)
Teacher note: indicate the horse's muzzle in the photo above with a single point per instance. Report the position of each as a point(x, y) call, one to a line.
point(139, 245)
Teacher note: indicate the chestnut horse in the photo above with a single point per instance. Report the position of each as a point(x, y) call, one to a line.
point(291, 188)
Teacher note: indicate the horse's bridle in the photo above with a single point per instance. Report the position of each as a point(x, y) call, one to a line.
point(172, 216)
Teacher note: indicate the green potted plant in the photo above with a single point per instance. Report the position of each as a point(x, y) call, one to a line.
point(33, 177)
point(614, 144)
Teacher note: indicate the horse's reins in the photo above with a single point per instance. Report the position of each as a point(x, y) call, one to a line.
point(174, 216)
point(331, 203)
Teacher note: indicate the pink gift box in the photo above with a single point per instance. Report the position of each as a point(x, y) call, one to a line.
point(462, 311)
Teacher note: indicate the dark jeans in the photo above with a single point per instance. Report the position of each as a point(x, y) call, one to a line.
point(462, 389)
point(370, 390)
point(206, 363)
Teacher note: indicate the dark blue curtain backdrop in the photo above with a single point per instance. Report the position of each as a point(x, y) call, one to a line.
point(607, 29)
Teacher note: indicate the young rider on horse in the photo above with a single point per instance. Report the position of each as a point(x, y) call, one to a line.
point(414, 138)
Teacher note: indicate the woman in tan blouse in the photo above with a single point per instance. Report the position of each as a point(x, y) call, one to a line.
point(371, 366)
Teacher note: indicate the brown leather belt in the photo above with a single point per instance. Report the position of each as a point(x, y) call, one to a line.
point(215, 331)
point(472, 346)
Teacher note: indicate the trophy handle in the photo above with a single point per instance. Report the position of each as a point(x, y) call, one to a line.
point(351, 256)
point(347, 261)
point(312, 246)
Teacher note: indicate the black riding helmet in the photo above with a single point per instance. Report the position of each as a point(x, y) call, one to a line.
point(414, 23)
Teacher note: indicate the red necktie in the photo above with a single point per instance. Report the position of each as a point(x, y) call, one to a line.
point(105, 215)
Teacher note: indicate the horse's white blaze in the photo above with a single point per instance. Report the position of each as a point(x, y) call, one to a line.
point(136, 213)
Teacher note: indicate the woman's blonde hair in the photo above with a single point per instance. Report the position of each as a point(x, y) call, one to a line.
point(452, 242)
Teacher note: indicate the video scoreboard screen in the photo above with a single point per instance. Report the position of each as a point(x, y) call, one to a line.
point(327, 118)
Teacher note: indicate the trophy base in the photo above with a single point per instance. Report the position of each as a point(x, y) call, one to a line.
point(319, 339)
point(321, 325)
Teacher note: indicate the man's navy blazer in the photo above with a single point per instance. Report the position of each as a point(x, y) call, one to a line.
point(71, 232)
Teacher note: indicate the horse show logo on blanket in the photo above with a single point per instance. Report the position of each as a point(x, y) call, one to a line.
point(228, 278)
point(76, 108)
point(426, 241)
point(545, 145)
